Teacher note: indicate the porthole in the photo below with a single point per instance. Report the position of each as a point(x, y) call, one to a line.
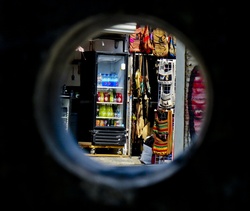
point(64, 147)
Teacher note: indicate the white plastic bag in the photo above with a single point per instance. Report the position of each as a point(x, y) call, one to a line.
point(146, 155)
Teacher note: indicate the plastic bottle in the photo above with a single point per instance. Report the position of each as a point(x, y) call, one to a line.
point(105, 110)
point(101, 97)
point(99, 79)
point(101, 111)
point(112, 79)
point(108, 79)
point(104, 80)
point(118, 112)
point(106, 97)
point(111, 96)
point(109, 111)
point(116, 82)
point(119, 97)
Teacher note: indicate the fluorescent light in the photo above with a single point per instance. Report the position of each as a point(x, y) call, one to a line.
point(127, 28)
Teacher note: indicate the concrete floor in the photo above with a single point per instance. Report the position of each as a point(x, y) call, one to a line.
point(118, 160)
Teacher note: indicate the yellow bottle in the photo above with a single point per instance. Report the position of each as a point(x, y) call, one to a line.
point(101, 97)
point(111, 96)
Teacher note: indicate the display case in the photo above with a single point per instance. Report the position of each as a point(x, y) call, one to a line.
point(102, 118)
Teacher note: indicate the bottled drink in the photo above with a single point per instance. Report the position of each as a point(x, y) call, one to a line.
point(101, 122)
point(112, 79)
point(101, 111)
point(108, 79)
point(109, 111)
point(104, 110)
point(99, 79)
point(116, 82)
point(106, 97)
point(104, 80)
point(114, 96)
point(101, 97)
point(111, 96)
point(119, 97)
point(118, 112)
point(98, 97)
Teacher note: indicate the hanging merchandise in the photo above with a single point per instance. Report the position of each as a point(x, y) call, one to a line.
point(146, 79)
point(139, 117)
point(162, 130)
point(165, 101)
point(146, 41)
point(196, 101)
point(160, 42)
point(146, 98)
point(156, 41)
point(166, 83)
point(165, 71)
point(138, 78)
point(163, 119)
point(172, 47)
point(141, 126)
point(135, 40)
point(143, 98)
point(141, 40)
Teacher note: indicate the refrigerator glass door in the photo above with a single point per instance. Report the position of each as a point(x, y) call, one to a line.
point(111, 78)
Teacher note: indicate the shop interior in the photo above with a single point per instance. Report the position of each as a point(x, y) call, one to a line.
point(151, 90)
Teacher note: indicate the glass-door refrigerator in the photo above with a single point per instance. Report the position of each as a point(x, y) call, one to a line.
point(103, 98)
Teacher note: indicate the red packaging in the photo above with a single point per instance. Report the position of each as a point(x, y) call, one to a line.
point(98, 97)
point(119, 97)
point(106, 97)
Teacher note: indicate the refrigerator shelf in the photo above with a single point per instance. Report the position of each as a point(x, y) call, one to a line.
point(110, 126)
point(108, 103)
point(109, 87)
point(103, 117)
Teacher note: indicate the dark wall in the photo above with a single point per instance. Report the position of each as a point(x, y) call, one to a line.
point(216, 178)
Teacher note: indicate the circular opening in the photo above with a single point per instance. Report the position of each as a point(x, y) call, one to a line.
point(63, 145)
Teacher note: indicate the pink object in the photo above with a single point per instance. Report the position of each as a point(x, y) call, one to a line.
point(119, 97)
